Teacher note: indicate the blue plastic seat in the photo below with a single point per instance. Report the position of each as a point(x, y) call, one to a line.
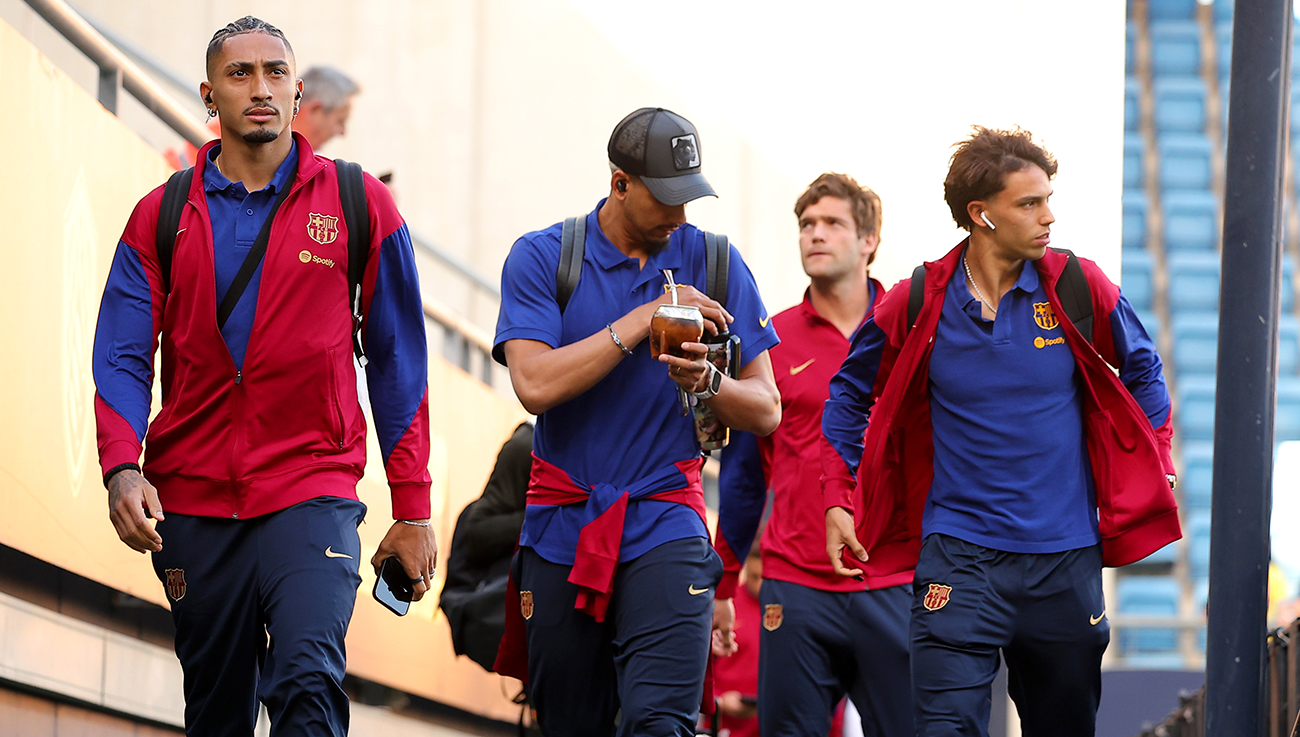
point(1288, 347)
point(1135, 219)
point(1196, 342)
point(1223, 54)
point(1195, 406)
point(1223, 12)
point(1180, 105)
point(1175, 48)
point(1191, 221)
point(1133, 161)
point(1152, 595)
point(1132, 111)
point(1130, 47)
point(1184, 161)
point(1171, 9)
point(1200, 601)
point(1286, 418)
point(1198, 535)
point(1197, 478)
point(1135, 282)
point(1193, 281)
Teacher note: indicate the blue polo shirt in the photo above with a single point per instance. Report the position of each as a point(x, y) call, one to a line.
point(237, 216)
point(627, 427)
point(1011, 468)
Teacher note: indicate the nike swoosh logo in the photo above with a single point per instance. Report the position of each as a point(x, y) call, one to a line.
point(1094, 620)
point(329, 553)
point(796, 369)
point(762, 321)
point(696, 592)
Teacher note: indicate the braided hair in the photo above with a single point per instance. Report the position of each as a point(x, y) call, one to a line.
point(247, 24)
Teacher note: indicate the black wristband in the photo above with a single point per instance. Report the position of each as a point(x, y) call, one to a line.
point(118, 469)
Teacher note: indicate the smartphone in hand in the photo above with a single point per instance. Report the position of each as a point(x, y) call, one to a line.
point(393, 588)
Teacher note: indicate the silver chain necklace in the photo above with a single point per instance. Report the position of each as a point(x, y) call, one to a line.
point(978, 293)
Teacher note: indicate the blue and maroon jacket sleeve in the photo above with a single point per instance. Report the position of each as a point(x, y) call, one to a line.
point(394, 340)
point(742, 496)
point(844, 419)
point(126, 337)
point(1123, 343)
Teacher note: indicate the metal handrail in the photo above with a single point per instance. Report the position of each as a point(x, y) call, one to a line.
point(116, 69)
point(456, 265)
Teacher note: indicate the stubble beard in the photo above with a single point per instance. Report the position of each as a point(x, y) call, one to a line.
point(261, 135)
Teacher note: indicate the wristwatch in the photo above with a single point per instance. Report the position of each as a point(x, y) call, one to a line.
point(713, 385)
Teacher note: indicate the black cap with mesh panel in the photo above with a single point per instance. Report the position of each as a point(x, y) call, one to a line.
point(663, 149)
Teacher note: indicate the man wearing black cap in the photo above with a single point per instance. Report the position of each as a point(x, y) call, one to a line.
point(615, 574)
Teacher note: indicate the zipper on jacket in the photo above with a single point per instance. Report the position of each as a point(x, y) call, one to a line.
point(239, 376)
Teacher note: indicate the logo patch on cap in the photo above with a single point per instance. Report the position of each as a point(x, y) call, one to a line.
point(686, 153)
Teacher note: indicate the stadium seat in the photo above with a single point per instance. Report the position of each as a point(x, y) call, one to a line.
point(1191, 221)
point(1151, 595)
point(1133, 160)
point(1184, 161)
point(1130, 47)
point(1286, 418)
point(1175, 48)
point(1171, 9)
point(1135, 280)
point(1288, 346)
point(1196, 342)
point(1180, 105)
point(1200, 602)
point(1135, 219)
point(1197, 478)
point(1193, 282)
point(1132, 110)
point(1223, 12)
point(1195, 406)
point(1198, 535)
point(1223, 54)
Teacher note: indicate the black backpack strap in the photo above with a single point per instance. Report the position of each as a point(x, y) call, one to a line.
point(175, 194)
point(251, 261)
point(356, 215)
point(1072, 290)
point(573, 244)
point(717, 260)
point(915, 295)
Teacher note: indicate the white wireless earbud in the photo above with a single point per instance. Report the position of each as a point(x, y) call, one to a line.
point(984, 216)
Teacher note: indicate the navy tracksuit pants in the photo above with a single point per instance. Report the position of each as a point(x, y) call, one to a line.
point(1045, 613)
point(819, 645)
point(261, 608)
point(646, 659)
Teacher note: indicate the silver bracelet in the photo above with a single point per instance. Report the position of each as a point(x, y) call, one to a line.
point(617, 342)
point(414, 523)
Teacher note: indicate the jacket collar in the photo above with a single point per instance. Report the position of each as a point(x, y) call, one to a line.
point(309, 164)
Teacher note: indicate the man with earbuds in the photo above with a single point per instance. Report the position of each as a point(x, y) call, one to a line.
point(252, 465)
point(615, 574)
point(1009, 453)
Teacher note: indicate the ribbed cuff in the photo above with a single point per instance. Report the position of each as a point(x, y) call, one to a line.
point(837, 492)
point(411, 500)
point(110, 473)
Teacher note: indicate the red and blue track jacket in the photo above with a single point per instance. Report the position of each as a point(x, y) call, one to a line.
point(1129, 456)
point(287, 425)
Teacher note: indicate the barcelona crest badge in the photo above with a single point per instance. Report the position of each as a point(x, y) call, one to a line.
point(937, 596)
point(175, 583)
point(526, 604)
point(773, 616)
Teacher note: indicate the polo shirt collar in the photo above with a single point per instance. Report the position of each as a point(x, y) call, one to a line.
point(215, 181)
point(607, 255)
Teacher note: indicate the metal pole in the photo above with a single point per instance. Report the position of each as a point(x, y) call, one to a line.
point(1246, 381)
